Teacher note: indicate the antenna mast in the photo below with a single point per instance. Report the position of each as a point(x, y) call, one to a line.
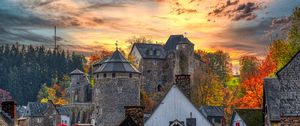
point(55, 38)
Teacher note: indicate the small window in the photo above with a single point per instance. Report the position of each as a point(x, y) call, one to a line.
point(130, 75)
point(104, 75)
point(159, 88)
point(97, 75)
point(148, 71)
point(113, 75)
point(77, 82)
point(217, 120)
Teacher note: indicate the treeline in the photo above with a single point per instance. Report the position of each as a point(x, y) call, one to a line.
point(24, 69)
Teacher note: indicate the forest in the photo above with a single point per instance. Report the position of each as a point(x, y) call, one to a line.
point(25, 69)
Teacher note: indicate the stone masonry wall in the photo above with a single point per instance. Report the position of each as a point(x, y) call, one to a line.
point(289, 78)
point(152, 74)
point(111, 95)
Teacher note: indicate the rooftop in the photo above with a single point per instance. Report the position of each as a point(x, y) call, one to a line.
point(117, 63)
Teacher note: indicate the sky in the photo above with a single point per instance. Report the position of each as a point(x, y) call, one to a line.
point(239, 27)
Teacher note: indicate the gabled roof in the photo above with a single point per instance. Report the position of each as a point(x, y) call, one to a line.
point(174, 40)
point(117, 63)
point(63, 110)
point(272, 97)
point(36, 108)
point(297, 55)
point(76, 72)
point(252, 117)
point(158, 52)
point(213, 110)
point(175, 105)
point(128, 121)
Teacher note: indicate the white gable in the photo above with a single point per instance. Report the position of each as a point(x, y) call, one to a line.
point(175, 106)
point(238, 119)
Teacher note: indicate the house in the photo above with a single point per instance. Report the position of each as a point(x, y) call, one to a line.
point(215, 114)
point(281, 95)
point(8, 113)
point(46, 114)
point(176, 110)
point(247, 117)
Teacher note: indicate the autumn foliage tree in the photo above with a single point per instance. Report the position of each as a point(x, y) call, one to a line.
point(57, 92)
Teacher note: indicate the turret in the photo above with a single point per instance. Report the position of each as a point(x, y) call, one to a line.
point(117, 85)
point(76, 76)
point(80, 91)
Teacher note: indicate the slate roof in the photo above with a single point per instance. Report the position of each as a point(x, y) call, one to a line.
point(76, 72)
point(284, 67)
point(272, 97)
point(144, 49)
point(117, 63)
point(213, 110)
point(101, 61)
point(174, 40)
point(62, 110)
point(21, 110)
point(36, 108)
point(252, 117)
point(6, 117)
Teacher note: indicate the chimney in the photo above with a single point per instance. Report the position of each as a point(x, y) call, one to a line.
point(10, 108)
point(136, 113)
point(183, 82)
point(191, 121)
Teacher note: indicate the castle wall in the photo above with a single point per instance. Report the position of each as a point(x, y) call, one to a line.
point(152, 74)
point(111, 95)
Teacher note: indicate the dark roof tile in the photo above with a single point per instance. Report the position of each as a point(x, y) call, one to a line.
point(272, 95)
point(117, 63)
point(158, 52)
point(174, 40)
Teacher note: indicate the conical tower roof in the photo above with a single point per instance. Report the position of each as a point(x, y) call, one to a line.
point(76, 72)
point(117, 63)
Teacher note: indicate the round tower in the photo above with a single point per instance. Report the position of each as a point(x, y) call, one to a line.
point(117, 85)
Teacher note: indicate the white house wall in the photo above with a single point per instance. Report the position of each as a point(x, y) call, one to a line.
point(175, 106)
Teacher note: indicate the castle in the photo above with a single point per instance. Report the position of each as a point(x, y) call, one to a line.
point(118, 82)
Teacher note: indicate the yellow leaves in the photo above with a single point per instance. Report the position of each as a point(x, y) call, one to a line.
point(55, 93)
point(44, 100)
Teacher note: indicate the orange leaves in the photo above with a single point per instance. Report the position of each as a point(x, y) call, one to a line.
point(253, 84)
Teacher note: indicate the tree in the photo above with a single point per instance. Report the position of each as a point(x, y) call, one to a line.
point(248, 66)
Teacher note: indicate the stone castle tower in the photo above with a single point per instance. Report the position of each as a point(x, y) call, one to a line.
point(80, 97)
point(163, 65)
point(117, 85)
point(80, 88)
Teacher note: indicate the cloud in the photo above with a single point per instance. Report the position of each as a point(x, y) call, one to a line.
point(235, 10)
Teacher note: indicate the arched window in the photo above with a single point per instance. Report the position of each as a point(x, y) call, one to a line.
point(159, 88)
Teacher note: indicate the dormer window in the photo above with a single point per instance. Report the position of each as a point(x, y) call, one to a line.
point(157, 53)
point(150, 52)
